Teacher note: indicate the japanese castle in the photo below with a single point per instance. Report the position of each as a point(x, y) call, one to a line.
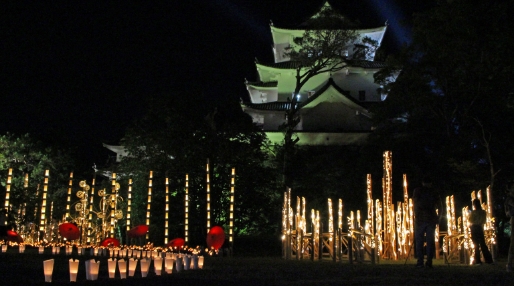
point(333, 107)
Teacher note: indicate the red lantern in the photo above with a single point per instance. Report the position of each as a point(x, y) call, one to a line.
point(216, 237)
point(69, 231)
point(138, 231)
point(110, 241)
point(177, 242)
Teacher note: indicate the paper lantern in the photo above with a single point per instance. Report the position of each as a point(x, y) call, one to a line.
point(48, 266)
point(176, 243)
point(200, 262)
point(21, 248)
point(132, 267)
point(157, 265)
point(216, 237)
point(195, 261)
point(92, 268)
point(41, 249)
point(145, 266)
point(111, 265)
point(69, 231)
point(4, 248)
point(179, 263)
point(187, 262)
point(74, 268)
point(168, 264)
point(137, 231)
point(122, 265)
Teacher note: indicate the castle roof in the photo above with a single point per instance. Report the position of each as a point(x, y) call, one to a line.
point(285, 105)
point(353, 63)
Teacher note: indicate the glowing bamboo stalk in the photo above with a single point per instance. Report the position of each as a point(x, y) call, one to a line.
point(113, 198)
point(369, 195)
point(208, 185)
point(186, 211)
point(8, 191)
point(50, 212)
point(68, 200)
point(232, 189)
point(340, 214)
point(378, 224)
point(91, 202)
point(149, 203)
point(388, 207)
point(166, 211)
point(42, 218)
point(330, 219)
point(129, 205)
point(304, 219)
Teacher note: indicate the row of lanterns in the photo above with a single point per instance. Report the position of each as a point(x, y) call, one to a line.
point(168, 263)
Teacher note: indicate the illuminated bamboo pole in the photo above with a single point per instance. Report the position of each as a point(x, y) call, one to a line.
point(8, 192)
point(186, 210)
point(166, 211)
point(340, 214)
point(90, 217)
point(330, 217)
point(208, 187)
point(369, 194)
point(232, 190)
point(149, 203)
point(129, 208)
point(68, 198)
point(388, 219)
point(113, 199)
point(288, 224)
point(42, 218)
point(378, 224)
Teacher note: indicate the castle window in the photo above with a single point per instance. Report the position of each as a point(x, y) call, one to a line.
point(362, 95)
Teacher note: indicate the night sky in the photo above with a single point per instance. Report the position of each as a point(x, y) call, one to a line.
point(78, 72)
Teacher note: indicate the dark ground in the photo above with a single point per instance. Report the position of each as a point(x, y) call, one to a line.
point(27, 269)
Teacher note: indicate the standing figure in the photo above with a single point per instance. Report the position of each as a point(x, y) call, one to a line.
point(477, 219)
point(509, 210)
point(426, 203)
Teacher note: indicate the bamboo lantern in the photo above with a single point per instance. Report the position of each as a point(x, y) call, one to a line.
point(122, 266)
point(8, 191)
point(208, 184)
point(74, 268)
point(48, 268)
point(129, 206)
point(113, 198)
point(149, 203)
point(42, 218)
point(157, 264)
point(231, 225)
point(186, 211)
point(166, 211)
point(388, 206)
point(68, 199)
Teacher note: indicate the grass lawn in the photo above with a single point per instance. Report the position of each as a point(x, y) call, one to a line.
point(27, 269)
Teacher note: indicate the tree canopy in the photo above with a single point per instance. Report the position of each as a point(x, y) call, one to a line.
point(450, 109)
point(177, 136)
